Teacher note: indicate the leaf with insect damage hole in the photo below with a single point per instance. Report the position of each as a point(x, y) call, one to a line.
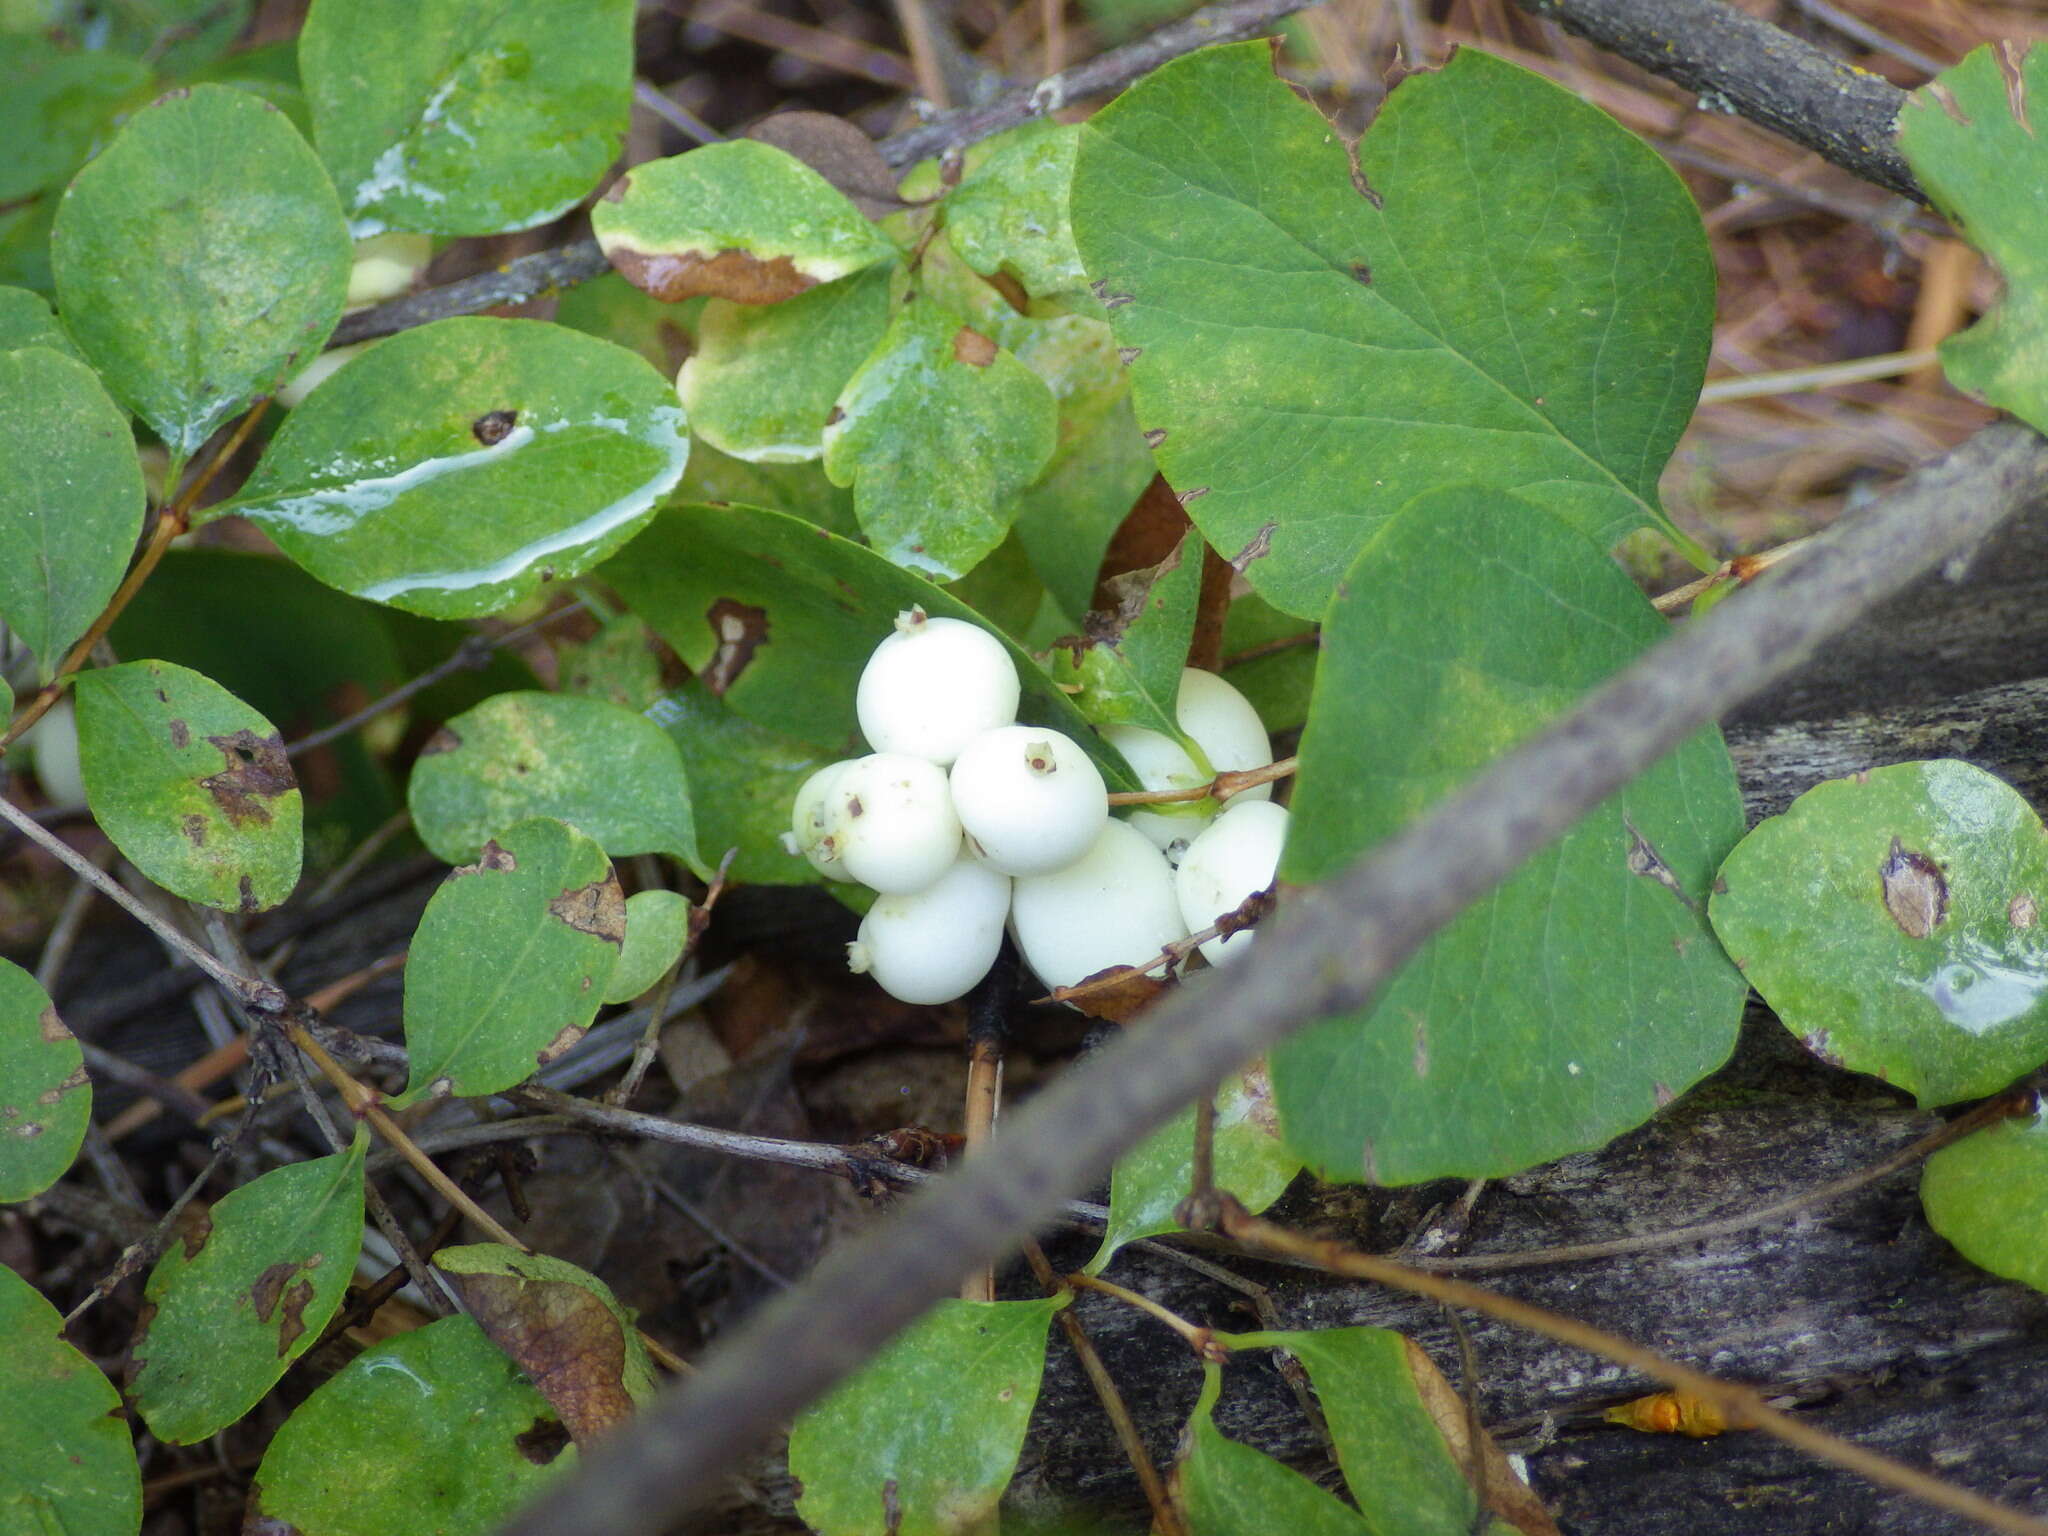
point(67, 1461)
point(190, 783)
point(244, 1290)
point(762, 382)
point(562, 1326)
point(1252, 1162)
point(1970, 137)
point(1892, 920)
point(434, 1430)
point(924, 1439)
point(610, 773)
point(1128, 662)
point(777, 618)
point(200, 259)
point(459, 468)
point(1988, 1194)
point(1586, 991)
point(657, 932)
point(510, 961)
point(45, 1096)
point(740, 220)
point(439, 117)
point(1506, 287)
point(71, 499)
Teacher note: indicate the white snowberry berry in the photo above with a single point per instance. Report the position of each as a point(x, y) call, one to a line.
point(893, 822)
point(1030, 798)
point(1222, 722)
point(933, 686)
point(1114, 906)
point(1237, 855)
point(810, 830)
point(934, 946)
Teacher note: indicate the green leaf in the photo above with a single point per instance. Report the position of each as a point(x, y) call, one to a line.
point(1009, 213)
point(562, 1326)
point(1892, 922)
point(1153, 1177)
point(777, 618)
point(1968, 136)
point(71, 499)
point(620, 664)
point(455, 469)
point(739, 220)
point(936, 432)
point(1128, 668)
point(45, 1096)
point(434, 1430)
point(762, 382)
point(177, 36)
point(245, 1291)
point(1227, 1488)
point(67, 1463)
point(610, 307)
point(607, 771)
point(1515, 291)
point(510, 961)
point(1278, 682)
point(657, 928)
point(190, 783)
point(801, 490)
point(435, 116)
point(1988, 1194)
point(1066, 519)
point(1585, 992)
point(27, 321)
point(56, 105)
point(939, 1415)
point(201, 259)
point(745, 777)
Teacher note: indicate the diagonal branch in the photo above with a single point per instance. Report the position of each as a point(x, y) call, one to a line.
point(1331, 952)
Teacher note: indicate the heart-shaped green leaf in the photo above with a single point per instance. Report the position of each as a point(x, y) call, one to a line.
point(434, 1430)
point(1892, 921)
point(608, 772)
point(200, 259)
point(777, 617)
point(67, 1462)
point(740, 220)
point(936, 433)
point(71, 499)
point(191, 784)
point(1970, 138)
point(1988, 1194)
point(762, 382)
point(456, 469)
point(244, 1291)
point(923, 1441)
point(510, 961)
point(45, 1096)
point(1586, 991)
point(1506, 288)
point(436, 116)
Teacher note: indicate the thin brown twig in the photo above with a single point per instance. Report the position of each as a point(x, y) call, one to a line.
point(1742, 569)
point(1233, 782)
point(1202, 1341)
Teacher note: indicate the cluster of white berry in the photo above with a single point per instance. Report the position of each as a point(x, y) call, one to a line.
point(962, 820)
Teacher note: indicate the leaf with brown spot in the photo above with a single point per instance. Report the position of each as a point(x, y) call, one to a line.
point(598, 909)
point(257, 772)
point(741, 629)
point(1915, 893)
point(973, 348)
point(45, 1096)
point(562, 1326)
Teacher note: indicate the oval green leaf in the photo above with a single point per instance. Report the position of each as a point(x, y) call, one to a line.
point(1892, 922)
point(1585, 992)
point(938, 1416)
point(26, 320)
point(437, 117)
point(777, 617)
point(1988, 1194)
point(434, 1430)
point(740, 220)
point(937, 433)
point(612, 774)
point(1508, 289)
point(45, 1096)
point(244, 1291)
point(200, 259)
point(71, 499)
point(67, 1462)
point(510, 961)
point(657, 929)
point(455, 469)
point(191, 784)
point(1227, 1488)
point(1151, 1179)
